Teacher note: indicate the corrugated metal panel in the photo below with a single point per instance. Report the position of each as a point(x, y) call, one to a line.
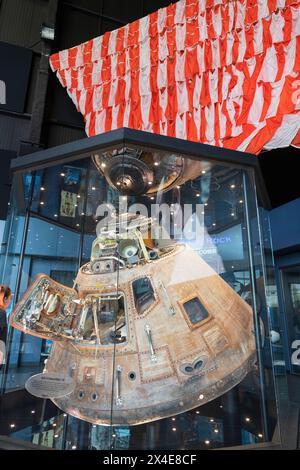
point(74, 24)
point(20, 21)
point(12, 131)
point(59, 135)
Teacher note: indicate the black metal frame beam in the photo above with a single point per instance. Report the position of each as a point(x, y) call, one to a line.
point(145, 140)
point(95, 13)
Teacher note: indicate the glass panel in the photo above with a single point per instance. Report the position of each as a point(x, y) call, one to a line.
point(166, 338)
point(143, 294)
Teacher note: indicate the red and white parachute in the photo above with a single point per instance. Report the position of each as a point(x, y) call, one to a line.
point(221, 72)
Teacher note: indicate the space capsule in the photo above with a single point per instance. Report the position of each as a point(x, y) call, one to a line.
point(149, 330)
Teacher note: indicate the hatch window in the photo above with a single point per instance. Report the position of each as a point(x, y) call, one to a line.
point(195, 310)
point(143, 294)
point(109, 312)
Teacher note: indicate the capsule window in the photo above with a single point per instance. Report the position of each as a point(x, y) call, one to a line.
point(195, 310)
point(143, 294)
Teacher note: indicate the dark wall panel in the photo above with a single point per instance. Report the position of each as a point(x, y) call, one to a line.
point(125, 10)
point(20, 21)
point(75, 27)
point(59, 135)
point(15, 66)
point(12, 131)
point(93, 5)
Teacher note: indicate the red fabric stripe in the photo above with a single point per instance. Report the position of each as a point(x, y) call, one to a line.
point(202, 126)
point(225, 19)
point(228, 130)
point(172, 106)
point(251, 15)
point(135, 118)
point(217, 125)
point(120, 94)
point(72, 55)
point(209, 23)
point(287, 29)
point(249, 87)
point(155, 109)
point(250, 52)
point(92, 125)
point(272, 5)
point(280, 60)
point(267, 92)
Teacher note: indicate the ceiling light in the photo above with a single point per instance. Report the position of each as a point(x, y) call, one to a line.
point(174, 429)
point(62, 174)
point(207, 442)
point(247, 419)
point(42, 188)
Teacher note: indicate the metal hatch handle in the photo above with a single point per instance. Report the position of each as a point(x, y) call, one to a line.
point(95, 310)
point(149, 336)
point(118, 386)
point(166, 298)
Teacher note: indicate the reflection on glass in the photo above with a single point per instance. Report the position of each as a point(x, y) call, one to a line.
point(161, 288)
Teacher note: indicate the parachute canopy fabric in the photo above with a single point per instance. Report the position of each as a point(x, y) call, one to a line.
point(220, 72)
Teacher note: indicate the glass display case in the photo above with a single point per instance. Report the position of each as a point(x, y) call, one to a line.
point(144, 311)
